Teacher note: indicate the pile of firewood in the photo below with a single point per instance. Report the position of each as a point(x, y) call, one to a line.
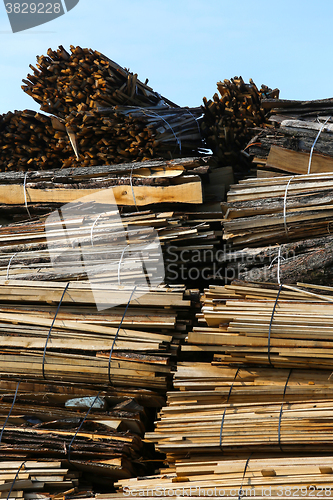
point(34, 141)
point(30, 141)
point(64, 82)
point(124, 133)
point(229, 119)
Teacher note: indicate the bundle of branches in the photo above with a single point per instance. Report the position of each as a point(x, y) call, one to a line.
point(251, 324)
point(124, 133)
point(30, 140)
point(228, 119)
point(279, 209)
point(64, 82)
point(309, 261)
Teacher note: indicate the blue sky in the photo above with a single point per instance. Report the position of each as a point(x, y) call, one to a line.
point(184, 47)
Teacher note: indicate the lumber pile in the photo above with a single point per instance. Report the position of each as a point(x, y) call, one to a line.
point(37, 479)
point(236, 477)
point(145, 184)
point(307, 261)
point(249, 324)
point(84, 79)
point(274, 210)
point(246, 432)
point(137, 354)
point(297, 140)
point(207, 430)
point(229, 118)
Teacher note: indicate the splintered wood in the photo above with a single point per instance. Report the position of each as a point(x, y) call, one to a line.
point(246, 324)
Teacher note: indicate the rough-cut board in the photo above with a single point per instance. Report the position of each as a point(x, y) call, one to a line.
point(297, 162)
point(189, 192)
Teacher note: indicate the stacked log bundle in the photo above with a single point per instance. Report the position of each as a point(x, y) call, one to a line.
point(84, 79)
point(264, 211)
point(96, 449)
point(249, 324)
point(297, 141)
point(295, 147)
point(229, 119)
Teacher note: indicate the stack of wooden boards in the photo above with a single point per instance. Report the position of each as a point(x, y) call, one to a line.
point(296, 129)
point(308, 261)
point(139, 354)
point(36, 479)
point(80, 385)
point(274, 210)
point(238, 477)
point(255, 430)
point(132, 184)
point(246, 324)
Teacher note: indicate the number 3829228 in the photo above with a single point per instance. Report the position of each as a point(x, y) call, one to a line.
point(33, 8)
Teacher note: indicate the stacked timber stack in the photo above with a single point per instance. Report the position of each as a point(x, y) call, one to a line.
point(299, 140)
point(139, 353)
point(252, 476)
point(268, 325)
point(37, 479)
point(274, 210)
point(98, 212)
point(229, 119)
point(132, 184)
point(308, 261)
point(242, 432)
